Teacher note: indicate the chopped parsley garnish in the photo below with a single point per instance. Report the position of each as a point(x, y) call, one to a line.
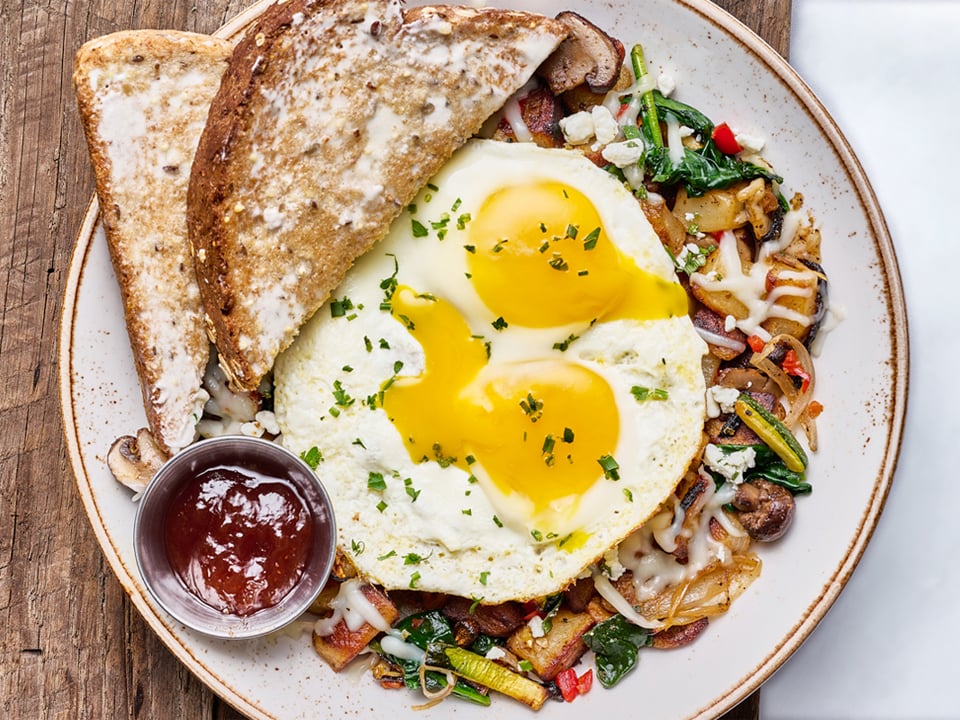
point(567, 435)
point(642, 394)
point(413, 559)
point(610, 467)
point(537, 535)
point(357, 547)
point(628, 494)
point(499, 246)
point(483, 577)
point(418, 229)
point(470, 248)
point(558, 263)
point(410, 490)
point(549, 442)
point(414, 579)
point(359, 442)
point(376, 482)
point(497, 521)
point(340, 395)
point(339, 308)
point(384, 345)
point(692, 257)
point(382, 505)
point(367, 344)
point(442, 460)
point(499, 323)
point(564, 344)
point(312, 457)
point(532, 407)
point(572, 232)
point(387, 556)
point(466, 511)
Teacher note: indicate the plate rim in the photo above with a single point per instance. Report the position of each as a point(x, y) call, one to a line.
point(899, 360)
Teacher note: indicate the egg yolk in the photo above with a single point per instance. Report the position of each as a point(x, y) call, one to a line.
point(538, 429)
point(541, 257)
point(544, 430)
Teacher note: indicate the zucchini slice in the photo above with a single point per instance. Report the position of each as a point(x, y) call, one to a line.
point(770, 430)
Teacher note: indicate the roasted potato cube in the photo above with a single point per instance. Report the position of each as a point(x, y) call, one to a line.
point(343, 645)
point(558, 649)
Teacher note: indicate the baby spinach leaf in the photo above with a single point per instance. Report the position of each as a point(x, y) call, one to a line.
point(616, 643)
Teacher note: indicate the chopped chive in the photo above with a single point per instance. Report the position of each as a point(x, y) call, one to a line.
point(590, 241)
point(610, 467)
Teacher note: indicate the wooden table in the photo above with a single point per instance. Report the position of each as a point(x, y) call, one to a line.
point(72, 645)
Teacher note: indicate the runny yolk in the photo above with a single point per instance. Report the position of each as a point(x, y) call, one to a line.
point(536, 428)
point(542, 258)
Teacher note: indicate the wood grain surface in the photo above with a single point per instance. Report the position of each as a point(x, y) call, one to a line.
point(72, 646)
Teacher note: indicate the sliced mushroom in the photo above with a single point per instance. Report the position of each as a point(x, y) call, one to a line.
point(135, 460)
point(588, 56)
point(766, 509)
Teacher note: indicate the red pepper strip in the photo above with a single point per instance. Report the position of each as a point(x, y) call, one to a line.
point(585, 682)
point(792, 366)
point(530, 609)
point(756, 343)
point(725, 140)
point(567, 682)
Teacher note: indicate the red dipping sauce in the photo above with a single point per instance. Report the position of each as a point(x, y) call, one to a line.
point(238, 541)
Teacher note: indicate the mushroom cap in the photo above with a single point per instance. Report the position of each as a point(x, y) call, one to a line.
point(766, 509)
point(588, 56)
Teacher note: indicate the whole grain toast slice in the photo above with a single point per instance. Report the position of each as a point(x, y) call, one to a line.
point(143, 98)
point(332, 115)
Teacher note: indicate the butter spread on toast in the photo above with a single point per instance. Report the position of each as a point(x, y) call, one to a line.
point(331, 116)
point(143, 98)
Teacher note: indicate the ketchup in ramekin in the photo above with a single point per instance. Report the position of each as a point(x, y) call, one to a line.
point(238, 541)
point(235, 537)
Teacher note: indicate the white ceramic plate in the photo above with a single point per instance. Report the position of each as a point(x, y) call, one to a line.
point(723, 69)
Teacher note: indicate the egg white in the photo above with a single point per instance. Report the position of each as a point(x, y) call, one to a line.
point(432, 528)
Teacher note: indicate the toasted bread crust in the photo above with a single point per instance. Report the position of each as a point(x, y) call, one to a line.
point(332, 115)
point(127, 86)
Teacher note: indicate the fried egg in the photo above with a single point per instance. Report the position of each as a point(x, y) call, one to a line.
point(504, 388)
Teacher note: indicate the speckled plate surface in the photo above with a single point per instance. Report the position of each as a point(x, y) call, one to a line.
point(723, 69)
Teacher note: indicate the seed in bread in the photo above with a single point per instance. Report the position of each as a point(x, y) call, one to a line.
point(330, 118)
point(143, 98)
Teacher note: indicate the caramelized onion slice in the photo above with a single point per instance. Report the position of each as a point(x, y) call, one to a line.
point(798, 401)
